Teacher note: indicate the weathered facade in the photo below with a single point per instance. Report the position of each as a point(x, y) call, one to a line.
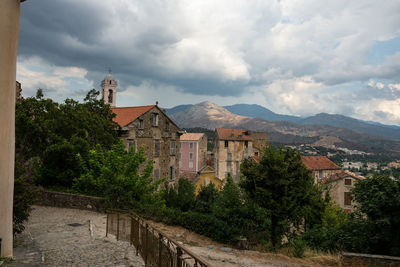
point(193, 152)
point(320, 166)
point(338, 186)
point(231, 147)
point(149, 127)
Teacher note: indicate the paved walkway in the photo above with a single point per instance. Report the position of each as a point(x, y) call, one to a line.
point(62, 237)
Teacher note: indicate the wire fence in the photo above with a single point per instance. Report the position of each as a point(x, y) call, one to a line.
point(156, 249)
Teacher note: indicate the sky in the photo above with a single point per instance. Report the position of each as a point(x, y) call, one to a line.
point(293, 57)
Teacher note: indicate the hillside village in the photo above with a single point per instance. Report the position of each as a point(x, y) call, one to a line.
point(178, 154)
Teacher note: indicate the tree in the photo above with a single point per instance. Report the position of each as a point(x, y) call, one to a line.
point(182, 196)
point(281, 184)
point(122, 178)
point(378, 198)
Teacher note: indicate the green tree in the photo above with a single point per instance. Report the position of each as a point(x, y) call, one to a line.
point(281, 184)
point(379, 199)
point(182, 196)
point(122, 178)
point(205, 198)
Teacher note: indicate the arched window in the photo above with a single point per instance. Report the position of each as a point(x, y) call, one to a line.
point(110, 81)
point(110, 96)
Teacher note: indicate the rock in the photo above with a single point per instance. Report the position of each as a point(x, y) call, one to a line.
point(211, 246)
point(89, 206)
point(226, 249)
point(180, 242)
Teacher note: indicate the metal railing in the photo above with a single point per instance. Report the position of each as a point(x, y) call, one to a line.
point(156, 249)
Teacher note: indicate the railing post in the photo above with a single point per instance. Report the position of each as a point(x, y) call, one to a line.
point(107, 224)
point(178, 257)
point(146, 243)
point(117, 226)
point(159, 249)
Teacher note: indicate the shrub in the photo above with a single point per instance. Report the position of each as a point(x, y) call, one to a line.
point(299, 247)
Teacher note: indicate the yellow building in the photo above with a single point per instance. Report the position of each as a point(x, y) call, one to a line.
point(205, 176)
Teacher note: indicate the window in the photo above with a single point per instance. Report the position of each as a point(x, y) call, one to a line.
point(131, 144)
point(347, 181)
point(229, 166)
point(229, 156)
point(320, 174)
point(191, 164)
point(246, 144)
point(347, 201)
point(191, 145)
point(154, 119)
point(206, 181)
point(226, 143)
point(171, 173)
point(256, 153)
point(110, 96)
point(180, 164)
point(172, 147)
point(156, 174)
point(180, 155)
point(190, 155)
point(167, 125)
point(156, 148)
point(140, 124)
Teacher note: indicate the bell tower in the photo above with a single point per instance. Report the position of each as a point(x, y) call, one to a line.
point(109, 90)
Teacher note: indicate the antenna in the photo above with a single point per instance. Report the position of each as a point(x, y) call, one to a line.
point(109, 70)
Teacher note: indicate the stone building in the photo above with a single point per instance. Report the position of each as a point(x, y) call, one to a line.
point(320, 166)
point(338, 185)
point(148, 127)
point(232, 146)
point(193, 152)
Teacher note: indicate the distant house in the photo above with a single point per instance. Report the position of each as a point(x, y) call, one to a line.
point(231, 147)
point(192, 152)
point(205, 176)
point(339, 185)
point(148, 127)
point(321, 167)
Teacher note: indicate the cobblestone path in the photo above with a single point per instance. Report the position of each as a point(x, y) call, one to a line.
point(62, 237)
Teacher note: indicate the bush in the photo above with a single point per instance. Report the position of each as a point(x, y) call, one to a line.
point(299, 247)
point(24, 192)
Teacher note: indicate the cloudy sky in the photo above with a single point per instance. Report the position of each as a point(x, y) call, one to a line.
point(291, 56)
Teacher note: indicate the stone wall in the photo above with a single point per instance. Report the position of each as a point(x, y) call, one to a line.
point(358, 260)
point(66, 200)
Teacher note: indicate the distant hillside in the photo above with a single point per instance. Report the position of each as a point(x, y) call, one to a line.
point(176, 109)
point(257, 111)
point(322, 119)
point(352, 124)
point(210, 116)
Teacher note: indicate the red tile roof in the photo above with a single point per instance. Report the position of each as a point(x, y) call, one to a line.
point(339, 176)
point(127, 114)
point(233, 134)
point(191, 136)
point(319, 163)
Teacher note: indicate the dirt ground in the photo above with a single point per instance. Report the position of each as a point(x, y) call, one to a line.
point(222, 255)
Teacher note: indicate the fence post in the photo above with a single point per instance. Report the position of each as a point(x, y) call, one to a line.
point(131, 230)
point(117, 226)
point(178, 257)
point(159, 249)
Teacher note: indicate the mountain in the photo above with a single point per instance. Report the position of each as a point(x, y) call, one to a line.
point(324, 119)
point(352, 124)
point(209, 115)
point(176, 109)
point(257, 111)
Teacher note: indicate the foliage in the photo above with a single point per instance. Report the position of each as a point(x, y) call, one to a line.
point(57, 132)
point(299, 247)
point(205, 198)
point(24, 192)
point(182, 196)
point(281, 185)
point(119, 177)
point(379, 199)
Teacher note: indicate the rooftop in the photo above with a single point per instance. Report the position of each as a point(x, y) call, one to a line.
point(191, 136)
point(125, 115)
point(341, 175)
point(233, 134)
point(319, 163)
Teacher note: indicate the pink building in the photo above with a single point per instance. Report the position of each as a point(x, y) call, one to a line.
point(193, 152)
